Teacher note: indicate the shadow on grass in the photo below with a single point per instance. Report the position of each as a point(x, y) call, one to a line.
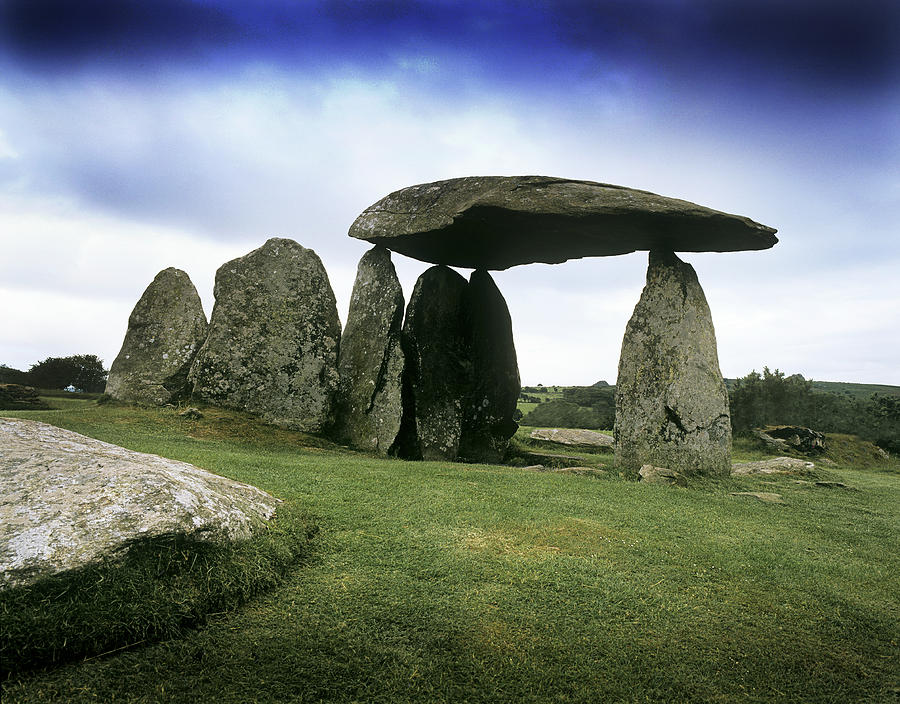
point(157, 590)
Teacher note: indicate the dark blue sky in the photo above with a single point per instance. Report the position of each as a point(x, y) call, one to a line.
point(217, 123)
point(748, 45)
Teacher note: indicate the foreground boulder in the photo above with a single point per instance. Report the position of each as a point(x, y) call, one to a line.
point(165, 332)
point(17, 397)
point(438, 375)
point(488, 415)
point(371, 358)
point(495, 222)
point(671, 402)
point(572, 436)
point(70, 501)
point(273, 338)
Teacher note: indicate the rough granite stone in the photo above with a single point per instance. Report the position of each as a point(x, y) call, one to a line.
point(67, 500)
point(165, 332)
point(371, 358)
point(495, 222)
point(488, 414)
point(660, 475)
point(776, 465)
point(572, 436)
point(273, 338)
point(438, 374)
point(671, 402)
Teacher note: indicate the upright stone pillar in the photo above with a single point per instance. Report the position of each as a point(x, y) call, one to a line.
point(436, 346)
point(671, 402)
point(371, 359)
point(273, 338)
point(488, 419)
point(165, 331)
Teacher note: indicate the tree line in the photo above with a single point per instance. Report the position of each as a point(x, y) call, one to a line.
point(756, 400)
point(84, 372)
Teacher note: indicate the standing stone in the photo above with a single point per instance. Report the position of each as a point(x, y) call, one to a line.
point(671, 402)
point(488, 420)
point(437, 380)
point(165, 331)
point(273, 338)
point(371, 358)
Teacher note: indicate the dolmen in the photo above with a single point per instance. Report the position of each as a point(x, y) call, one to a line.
point(671, 403)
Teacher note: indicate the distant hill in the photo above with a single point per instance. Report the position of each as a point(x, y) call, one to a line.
point(845, 388)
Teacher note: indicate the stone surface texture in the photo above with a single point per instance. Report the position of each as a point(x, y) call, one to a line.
point(671, 402)
point(165, 331)
point(371, 358)
point(488, 416)
point(776, 465)
point(572, 436)
point(438, 372)
point(660, 475)
point(69, 501)
point(273, 338)
point(495, 222)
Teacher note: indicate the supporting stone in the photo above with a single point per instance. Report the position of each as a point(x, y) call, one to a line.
point(273, 338)
point(165, 332)
point(671, 402)
point(438, 371)
point(488, 416)
point(371, 359)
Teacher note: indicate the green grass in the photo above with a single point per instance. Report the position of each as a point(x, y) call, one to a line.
point(451, 582)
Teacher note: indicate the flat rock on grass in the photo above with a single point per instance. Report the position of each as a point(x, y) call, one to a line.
point(776, 465)
point(69, 501)
point(764, 496)
point(571, 436)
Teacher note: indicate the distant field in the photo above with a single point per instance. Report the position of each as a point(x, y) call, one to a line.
point(451, 582)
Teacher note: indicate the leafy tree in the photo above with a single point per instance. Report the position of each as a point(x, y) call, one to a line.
point(83, 371)
point(8, 375)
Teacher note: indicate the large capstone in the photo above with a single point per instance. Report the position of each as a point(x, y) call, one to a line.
point(495, 222)
point(273, 338)
point(71, 501)
point(437, 380)
point(165, 332)
point(671, 402)
point(488, 416)
point(371, 358)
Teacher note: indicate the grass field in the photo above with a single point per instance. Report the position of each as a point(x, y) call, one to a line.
point(439, 582)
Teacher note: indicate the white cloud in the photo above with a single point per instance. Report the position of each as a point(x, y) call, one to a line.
point(106, 184)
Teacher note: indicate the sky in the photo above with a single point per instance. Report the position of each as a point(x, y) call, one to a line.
point(139, 135)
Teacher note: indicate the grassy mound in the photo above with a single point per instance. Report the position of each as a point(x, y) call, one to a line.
point(160, 588)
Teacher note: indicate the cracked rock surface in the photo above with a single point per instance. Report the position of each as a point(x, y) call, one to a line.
point(495, 222)
point(165, 332)
point(273, 338)
point(671, 402)
point(371, 358)
point(69, 500)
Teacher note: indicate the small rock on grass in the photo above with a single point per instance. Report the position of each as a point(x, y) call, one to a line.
point(776, 465)
point(660, 475)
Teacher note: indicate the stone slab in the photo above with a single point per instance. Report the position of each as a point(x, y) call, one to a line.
point(495, 222)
